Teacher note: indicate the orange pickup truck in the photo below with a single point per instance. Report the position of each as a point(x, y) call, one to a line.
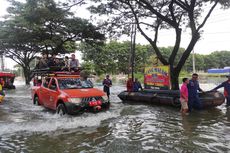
point(68, 94)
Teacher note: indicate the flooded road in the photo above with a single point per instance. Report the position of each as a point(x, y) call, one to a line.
point(124, 128)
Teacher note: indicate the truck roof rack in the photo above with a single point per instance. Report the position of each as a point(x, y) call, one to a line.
point(53, 71)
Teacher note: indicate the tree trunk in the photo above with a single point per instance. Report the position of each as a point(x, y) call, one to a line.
point(174, 79)
point(26, 71)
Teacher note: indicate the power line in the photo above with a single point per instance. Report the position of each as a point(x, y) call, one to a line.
point(216, 33)
point(217, 21)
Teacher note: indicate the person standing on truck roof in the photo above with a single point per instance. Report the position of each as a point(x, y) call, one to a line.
point(107, 83)
point(226, 85)
point(73, 64)
point(193, 96)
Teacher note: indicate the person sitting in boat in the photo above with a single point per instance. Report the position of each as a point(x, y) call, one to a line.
point(184, 96)
point(73, 64)
point(129, 85)
point(136, 85)
point(226, 85)
point(193, 96)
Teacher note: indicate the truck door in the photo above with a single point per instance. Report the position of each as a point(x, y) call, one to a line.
point(44, 91)
point(53, 94)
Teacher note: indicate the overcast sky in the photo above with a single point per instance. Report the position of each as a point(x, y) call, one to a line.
point(216, 35)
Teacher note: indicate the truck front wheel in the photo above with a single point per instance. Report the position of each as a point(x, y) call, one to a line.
point(61, 110)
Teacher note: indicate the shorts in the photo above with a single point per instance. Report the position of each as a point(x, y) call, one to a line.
point(106, 90)
point(184, 103)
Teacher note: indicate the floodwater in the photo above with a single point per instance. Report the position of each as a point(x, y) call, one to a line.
point(124, 128)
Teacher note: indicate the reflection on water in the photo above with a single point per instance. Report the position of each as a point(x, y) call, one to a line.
point(124, 128)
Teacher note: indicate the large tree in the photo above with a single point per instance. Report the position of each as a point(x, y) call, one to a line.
point(42, 26)
point(150, 16)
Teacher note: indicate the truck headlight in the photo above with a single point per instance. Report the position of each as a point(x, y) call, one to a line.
point(105, 98)
point(74, 100)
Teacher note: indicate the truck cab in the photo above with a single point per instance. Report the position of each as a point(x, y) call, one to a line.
point(68, 93)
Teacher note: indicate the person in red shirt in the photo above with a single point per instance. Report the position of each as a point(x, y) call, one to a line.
point(184, 96)
point(129, 85)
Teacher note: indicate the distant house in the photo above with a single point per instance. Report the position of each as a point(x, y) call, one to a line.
point(224, 70)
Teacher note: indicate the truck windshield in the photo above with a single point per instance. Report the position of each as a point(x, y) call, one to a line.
point(74, 83)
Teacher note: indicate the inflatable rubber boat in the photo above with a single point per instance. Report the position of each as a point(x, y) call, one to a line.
point(170, 97)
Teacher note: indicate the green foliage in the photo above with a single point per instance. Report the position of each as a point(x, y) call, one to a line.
point(113, 57)
point(89, 66)
point(217, 60)
point(139, 76)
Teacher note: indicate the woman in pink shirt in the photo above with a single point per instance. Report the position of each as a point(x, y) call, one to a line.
point(184, 95)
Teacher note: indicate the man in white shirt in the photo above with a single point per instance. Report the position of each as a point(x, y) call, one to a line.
point(73, 64)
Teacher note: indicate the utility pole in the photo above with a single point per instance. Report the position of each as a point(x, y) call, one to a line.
point(193, 61)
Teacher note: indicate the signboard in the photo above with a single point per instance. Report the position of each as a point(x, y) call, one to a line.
point(157, 77)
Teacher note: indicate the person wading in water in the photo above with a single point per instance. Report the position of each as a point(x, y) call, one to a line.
point(107, 83)
point(193, 96)
point(226, 85)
